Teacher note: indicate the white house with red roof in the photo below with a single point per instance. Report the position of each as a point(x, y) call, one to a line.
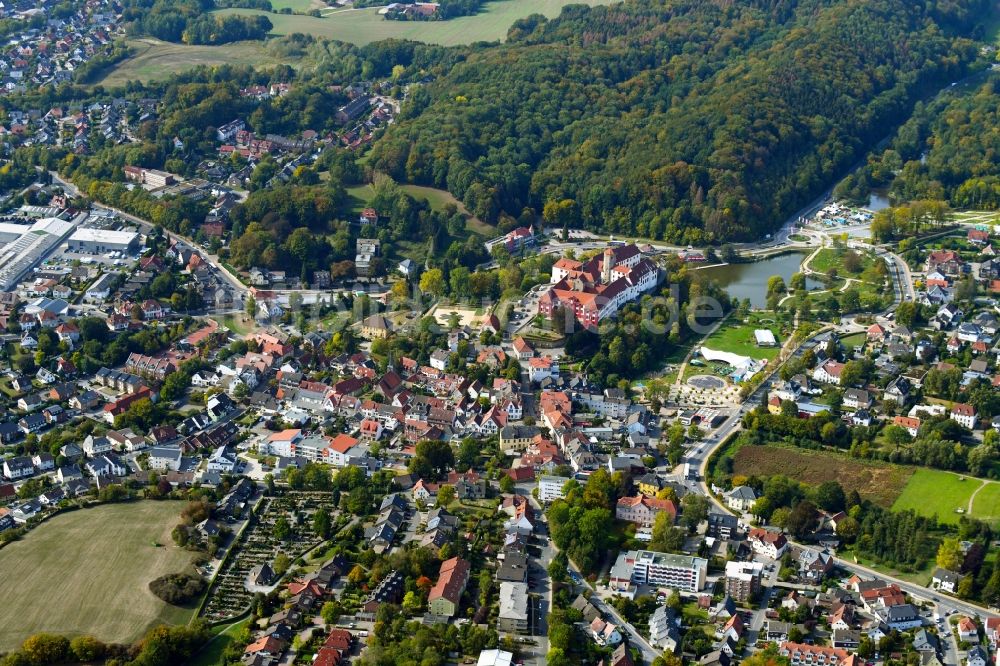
point(829, 372)
point(341, 449)
point(767, 543)
point(964, 415)
point(542, 367)
point(283, 443)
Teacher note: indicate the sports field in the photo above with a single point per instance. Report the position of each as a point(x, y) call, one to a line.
point(947, 495)
point(87, 572)
point(362, 26)
point(155, 60)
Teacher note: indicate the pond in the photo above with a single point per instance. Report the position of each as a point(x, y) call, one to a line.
point(878, 200)
point(750, 280)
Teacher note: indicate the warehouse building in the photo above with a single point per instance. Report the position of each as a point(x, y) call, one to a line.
point(99, 241)
point(22, 246)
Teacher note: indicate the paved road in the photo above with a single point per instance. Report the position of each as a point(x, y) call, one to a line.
point(704, 450)
point(240, 289)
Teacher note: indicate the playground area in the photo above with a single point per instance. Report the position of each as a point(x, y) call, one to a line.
point(446, 315)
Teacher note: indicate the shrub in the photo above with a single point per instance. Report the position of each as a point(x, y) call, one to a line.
point(178, 588)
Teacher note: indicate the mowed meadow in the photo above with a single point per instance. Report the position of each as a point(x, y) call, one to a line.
point(154, 60)
point(88, 572)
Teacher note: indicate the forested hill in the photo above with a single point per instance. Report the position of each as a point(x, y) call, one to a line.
point(949, 150)
point(686, 120)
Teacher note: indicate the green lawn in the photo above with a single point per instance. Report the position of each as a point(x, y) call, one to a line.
point(737, 336)
point(918, 577)
point(236, 324)
point(88, 571)
point(828, 258)
point(363, 26)
point(855, 340)
point(867, 280)
point(211, 654)
point(986, 504)
point(933, 492)
point(155, 60)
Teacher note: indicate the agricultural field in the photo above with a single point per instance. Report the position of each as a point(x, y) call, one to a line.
point(736, 335)
point(88, 571)
point(363, 26)
point(298, 5)
point(880, 482)
point(155, 60)
point(949, 496)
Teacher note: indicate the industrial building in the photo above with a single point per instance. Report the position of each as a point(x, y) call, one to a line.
point(24, 246)
point(99, 241)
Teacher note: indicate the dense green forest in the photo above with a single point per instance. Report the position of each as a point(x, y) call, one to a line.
point(948, 150)
point(677, 119)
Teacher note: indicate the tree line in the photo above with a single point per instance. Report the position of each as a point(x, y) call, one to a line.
point(191, 22)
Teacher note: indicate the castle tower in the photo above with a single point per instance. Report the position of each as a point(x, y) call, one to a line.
point(609, 261)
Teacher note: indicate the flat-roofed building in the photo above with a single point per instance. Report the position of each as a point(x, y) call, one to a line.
point(743, 580)
point(643, 567)
point(550, 488)
point(98, 241)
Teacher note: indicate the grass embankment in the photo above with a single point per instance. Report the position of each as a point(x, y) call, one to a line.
point(361, 196)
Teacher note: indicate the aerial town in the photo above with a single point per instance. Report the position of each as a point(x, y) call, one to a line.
point(318, 352)
point(467, 472)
